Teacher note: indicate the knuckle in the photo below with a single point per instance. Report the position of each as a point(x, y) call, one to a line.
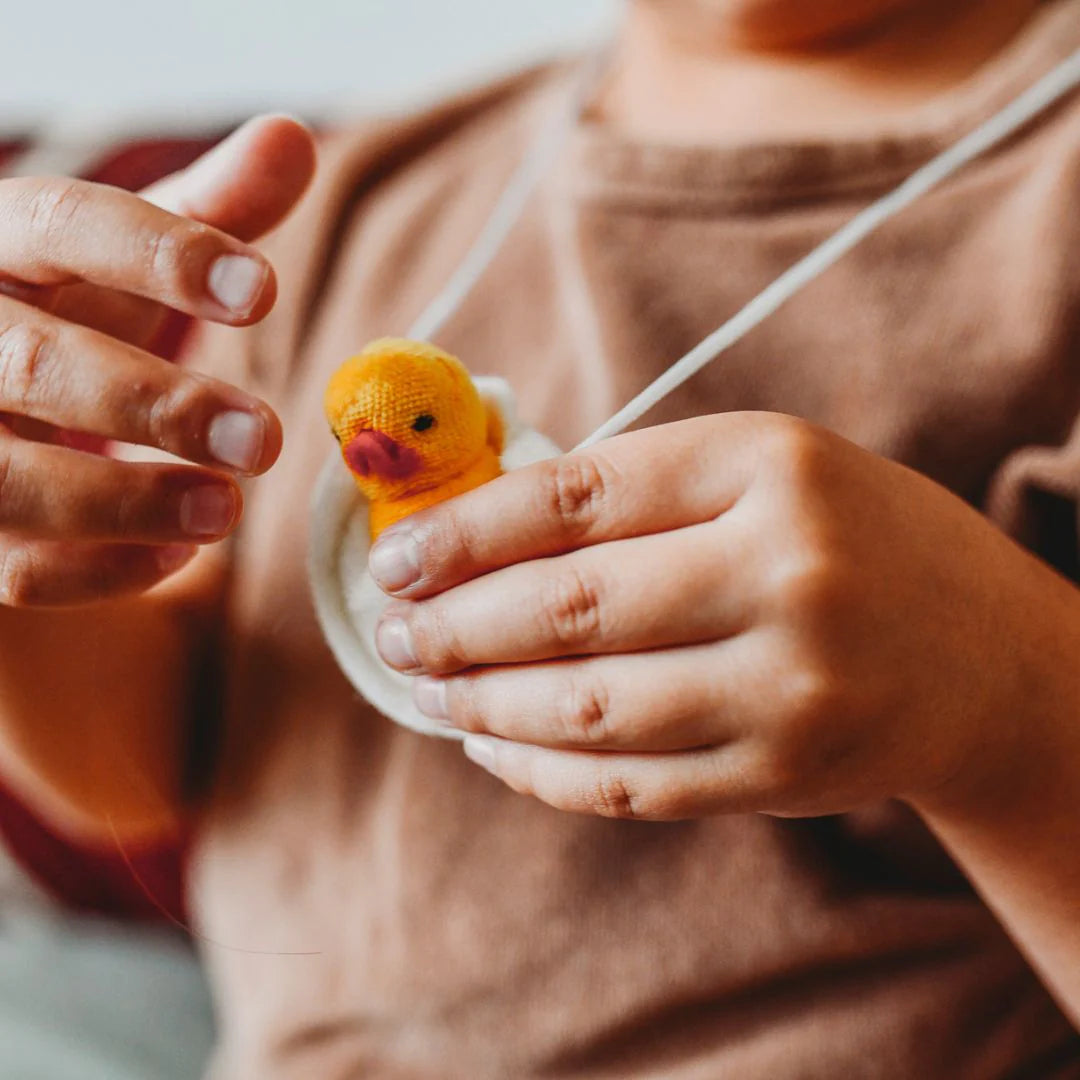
point(793, 443)
point(775, 775)
point(613, 796)
point(18, 577)
point(465, 705)
point(800, 457)
point(813, 696)
point(6, 470)
point(577, 492)
point(572, 609)
point(173, 414)
point(173, 250)
point(126, 514)
point(809, 585)
point(454, 540)
point(812, 717)
point(585, 717)
point(25, 349)
point(821, 598)
point(54, 206)
point(13, 486)
point(436, 640)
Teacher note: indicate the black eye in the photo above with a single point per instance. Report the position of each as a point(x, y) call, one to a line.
point(423, 422)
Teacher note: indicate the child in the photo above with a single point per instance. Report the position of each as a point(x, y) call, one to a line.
point(764, 650)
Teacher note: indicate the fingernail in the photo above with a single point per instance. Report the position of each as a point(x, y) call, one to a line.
point(394, 561)
point(171, 557)
point(236, 439)
point(481, 751)
point(430, 697)
point(393, 639)
point(207, 511)
point(236, 281)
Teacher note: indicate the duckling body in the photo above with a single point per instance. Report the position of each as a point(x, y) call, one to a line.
point(382, 513)
point(412, 428)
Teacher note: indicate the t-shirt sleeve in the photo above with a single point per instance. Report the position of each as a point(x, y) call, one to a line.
point(1035, 493)
point(1036, 499)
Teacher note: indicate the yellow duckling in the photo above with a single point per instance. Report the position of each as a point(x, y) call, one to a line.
point(412, 428)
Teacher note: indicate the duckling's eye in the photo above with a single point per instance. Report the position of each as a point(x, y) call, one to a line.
point(423, 422)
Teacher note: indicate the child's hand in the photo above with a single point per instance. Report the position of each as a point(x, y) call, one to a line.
point(86, 274)
point(734, 613)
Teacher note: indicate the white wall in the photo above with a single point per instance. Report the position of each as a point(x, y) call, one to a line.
point(229, 56)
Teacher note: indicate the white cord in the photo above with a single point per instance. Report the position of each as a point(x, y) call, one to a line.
point(1046, 92)
point(534, 166)
point(509, 207)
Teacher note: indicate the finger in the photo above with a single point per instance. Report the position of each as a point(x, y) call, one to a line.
point(82, 380)
point(644, 787)
point(246, 184)
point(645, 593)
point(116, 314)
point(27, 428)
point(43, 574)
point(666, 700)
point(57, 231)
point(40, 296)
point(645, 482)
point(130, 318)
point(53, 493)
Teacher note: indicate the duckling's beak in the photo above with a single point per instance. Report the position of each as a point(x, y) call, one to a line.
point(372, 453)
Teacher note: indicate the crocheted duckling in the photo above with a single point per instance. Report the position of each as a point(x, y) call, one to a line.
point(412, 428)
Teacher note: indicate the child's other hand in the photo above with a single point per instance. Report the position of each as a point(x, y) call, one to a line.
point(87, 273)
point(733, 613)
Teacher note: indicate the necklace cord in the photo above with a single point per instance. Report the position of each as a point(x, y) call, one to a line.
point(535, 164)
point(510, 205)
point(1048, 91)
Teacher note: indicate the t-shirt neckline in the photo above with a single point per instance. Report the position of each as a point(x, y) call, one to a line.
point(603, 165)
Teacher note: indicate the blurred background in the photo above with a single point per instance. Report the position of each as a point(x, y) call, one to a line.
point(94, 983)
point(204, 59)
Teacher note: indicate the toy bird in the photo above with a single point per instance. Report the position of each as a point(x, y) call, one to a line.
point(412, 428)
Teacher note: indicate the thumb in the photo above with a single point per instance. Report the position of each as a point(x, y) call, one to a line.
point(246, 184)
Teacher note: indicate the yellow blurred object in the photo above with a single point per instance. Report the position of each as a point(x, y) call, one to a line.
point(412, 428)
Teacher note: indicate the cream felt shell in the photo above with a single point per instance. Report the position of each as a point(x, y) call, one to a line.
point(348, 603)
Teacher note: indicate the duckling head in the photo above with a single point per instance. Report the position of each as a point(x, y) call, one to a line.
point(408, 418)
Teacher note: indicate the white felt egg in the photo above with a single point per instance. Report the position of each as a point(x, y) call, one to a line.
point(348, 603)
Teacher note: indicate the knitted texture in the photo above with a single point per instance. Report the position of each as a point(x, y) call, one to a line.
point(412, 428)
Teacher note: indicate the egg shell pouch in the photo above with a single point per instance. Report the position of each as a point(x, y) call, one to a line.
point(347, 601)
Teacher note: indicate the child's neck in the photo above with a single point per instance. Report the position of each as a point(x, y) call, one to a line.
point(684, 71)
